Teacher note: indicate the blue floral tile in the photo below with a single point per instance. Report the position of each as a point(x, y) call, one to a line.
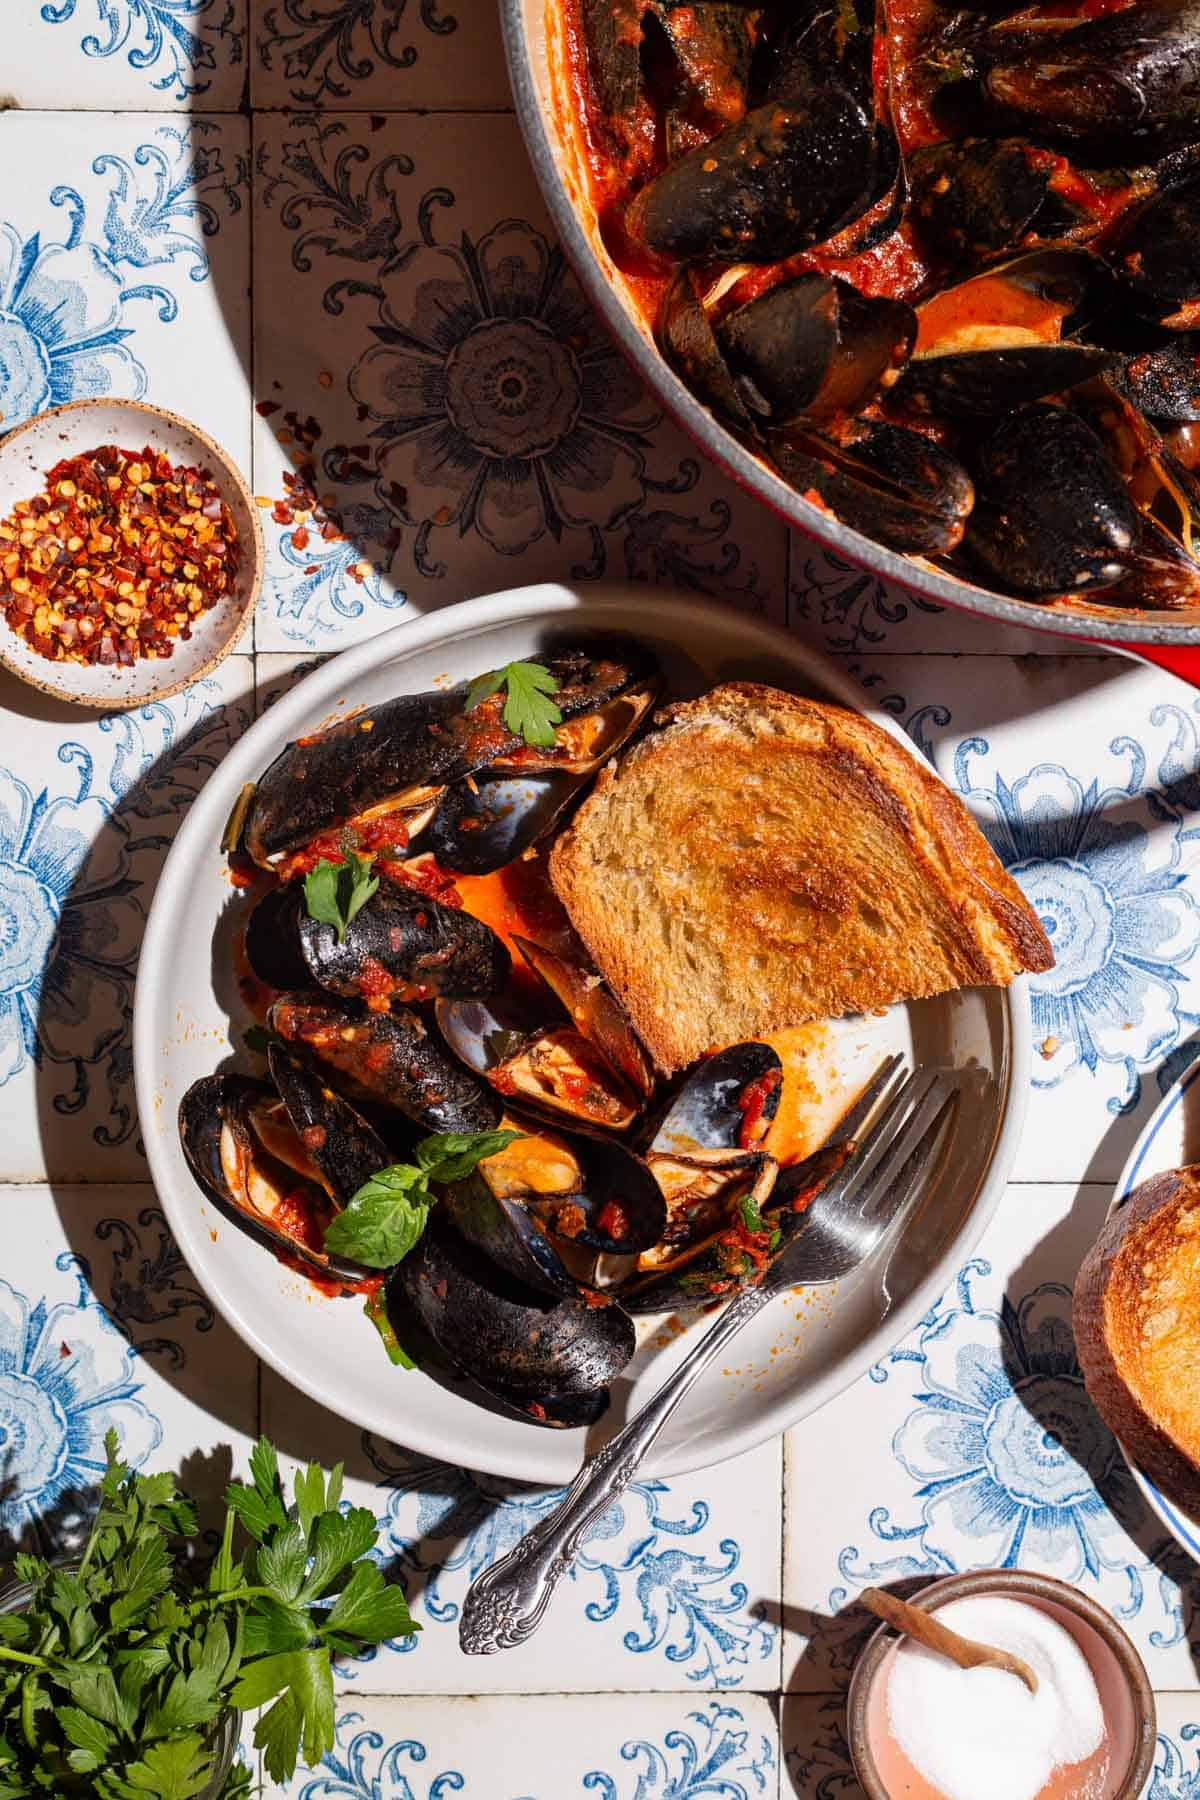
point(124, 264)
point(368, 58)
point(851, 612)
point(131, 55)
point(1177, 1760)
point(88, 811)
point(439, 413)
point(971, 1446)
point(1082, 772)
point(676, 1587)
point(608, 1747)
point(102, 1326)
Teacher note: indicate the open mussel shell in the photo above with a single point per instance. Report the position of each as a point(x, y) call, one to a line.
point(727, 1102)
point(966, 384)
point(234, 1136)
point(403, 943)
point(273, 937)
point(1052, 514)
point(896, 485)
point(702, 1243)
point(551, 1068)
point(594, 1010)
point(552, 1363)
point(400, 755)
point(338, 1140)
point(388, 1058)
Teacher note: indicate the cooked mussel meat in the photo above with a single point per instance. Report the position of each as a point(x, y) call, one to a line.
point(388, 1058)
point(1052, 514)
point(278, 1168)
point(551, 1362)
point(594, 1010)
point(552, 1068)
point(395, 759)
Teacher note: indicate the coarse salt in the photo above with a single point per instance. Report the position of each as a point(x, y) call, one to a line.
point(979, 1734)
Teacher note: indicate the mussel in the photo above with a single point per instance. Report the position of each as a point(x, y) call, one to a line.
point(594, 1010)
point(534, 1205)
point(388, 1058)
point(396, 759)
point(1157, 256)
point(550, 1362)
point(695, 58)
point(727, 1102)
point(1163, 382)
point(552, 1068)
point(279, 1158)
point(896, 484)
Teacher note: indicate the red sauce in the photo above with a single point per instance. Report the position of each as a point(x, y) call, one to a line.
point(613, 1220)
point(296, 1217)
point(387, 833)
point(752, 1104)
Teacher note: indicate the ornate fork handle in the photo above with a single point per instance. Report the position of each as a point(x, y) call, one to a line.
point(506, 1604)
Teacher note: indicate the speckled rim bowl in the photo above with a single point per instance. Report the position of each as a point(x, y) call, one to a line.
point(31, 449)
point(534, 32)
point(1098, 1635)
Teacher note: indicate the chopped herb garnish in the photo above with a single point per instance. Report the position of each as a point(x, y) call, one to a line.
point(335, 893)
point(376, 1309)
point(528, 709)
point(752, 1219)
point(385, 1219)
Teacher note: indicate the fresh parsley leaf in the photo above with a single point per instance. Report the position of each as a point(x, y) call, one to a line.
point(177, 1770)
point(273, 1627)
point(309, 1488)
point(752, 1219)
point(384, 1220)
point(528, 710)
point(305, 1680)
point(376, 1308)
point(369, 1608)
point(453, 1155)
point(93, 1740)
point(336, 892)
point(282, 1561)
point(338, 1539)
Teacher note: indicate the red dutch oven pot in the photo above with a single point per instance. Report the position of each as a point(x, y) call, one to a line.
point(533, 41)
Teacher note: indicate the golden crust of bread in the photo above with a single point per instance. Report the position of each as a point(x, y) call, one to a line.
point(759, 860)
point(1137, 1330)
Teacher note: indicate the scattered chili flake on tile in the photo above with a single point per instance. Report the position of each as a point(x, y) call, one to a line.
point(116, 557)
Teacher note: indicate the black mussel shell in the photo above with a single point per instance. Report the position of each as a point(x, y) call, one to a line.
point(1157, 256)
point(425, 948)
point(539, 1358)
point(219, 1103)
point(977, 196)
point(389, 1058)
point(595, 1011)
point(696, 60)
point(894, 484)
point(686, 338)
point(612, 35)
point(273, 937)
point(736, 1088)
point(551, 1068)
point(339, 1141)
point(1052, 514)
point(509, 1235)
point(1164, 382)
point(971, 383)
point(491, 820)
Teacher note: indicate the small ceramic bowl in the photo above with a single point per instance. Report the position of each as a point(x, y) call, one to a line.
point(1125, 1692)
point(32, 449)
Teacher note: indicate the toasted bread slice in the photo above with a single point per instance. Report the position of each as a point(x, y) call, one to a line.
point(760, 860)
point(1137, 1330)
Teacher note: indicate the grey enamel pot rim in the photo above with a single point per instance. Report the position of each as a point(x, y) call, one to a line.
point(524, 24)
point(1012, 1584)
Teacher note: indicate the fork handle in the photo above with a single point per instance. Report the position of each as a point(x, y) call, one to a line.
point(505, 1605)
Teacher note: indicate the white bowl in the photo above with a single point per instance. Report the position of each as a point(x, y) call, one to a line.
point(1168, 1141)
point(26, 456)
point(804, 1349)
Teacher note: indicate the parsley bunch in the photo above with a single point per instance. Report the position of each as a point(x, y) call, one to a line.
point(114, 1680)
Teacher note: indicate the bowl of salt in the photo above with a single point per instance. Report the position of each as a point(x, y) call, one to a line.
point(920, 1727)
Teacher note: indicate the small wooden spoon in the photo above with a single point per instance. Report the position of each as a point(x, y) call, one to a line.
point(926, 1628)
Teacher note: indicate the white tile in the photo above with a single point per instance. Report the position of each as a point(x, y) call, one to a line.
point(850, 611)
point(478, 428)
point(677, 1586)
point(974, 1446)
point(89, 805)
point(93, 55)
point(616, 1747)
point(124, 265)
point(1084, 775)
point(103, 1325)
point(366, 58)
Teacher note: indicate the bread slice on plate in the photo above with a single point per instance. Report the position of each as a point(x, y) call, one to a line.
point(760, 860)
point(1137, 1330)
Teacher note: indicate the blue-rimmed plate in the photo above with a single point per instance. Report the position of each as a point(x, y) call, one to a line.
point(1171, 1139)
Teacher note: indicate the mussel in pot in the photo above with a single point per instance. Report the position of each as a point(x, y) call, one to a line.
point(279, 1164)
point(896, 484)
point(551, 1362)
point(389, 1058)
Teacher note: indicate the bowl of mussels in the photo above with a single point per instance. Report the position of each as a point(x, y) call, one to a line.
point(404, 1132)
point(923, 277)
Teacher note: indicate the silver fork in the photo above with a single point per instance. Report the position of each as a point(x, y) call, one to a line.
point(872, 1192)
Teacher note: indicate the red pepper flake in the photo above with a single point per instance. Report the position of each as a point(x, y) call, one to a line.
point(613, 1220)
point(266, 407)
point(300, 538)
point(116, 557)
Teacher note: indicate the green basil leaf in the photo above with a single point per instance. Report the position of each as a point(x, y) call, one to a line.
point(383, 1221)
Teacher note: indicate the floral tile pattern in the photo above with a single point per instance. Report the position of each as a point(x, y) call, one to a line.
point(476, 428)
point(130, 55)
point(676, 1587)
point(87, 813)
point(377, 56)
point(611, 1747)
